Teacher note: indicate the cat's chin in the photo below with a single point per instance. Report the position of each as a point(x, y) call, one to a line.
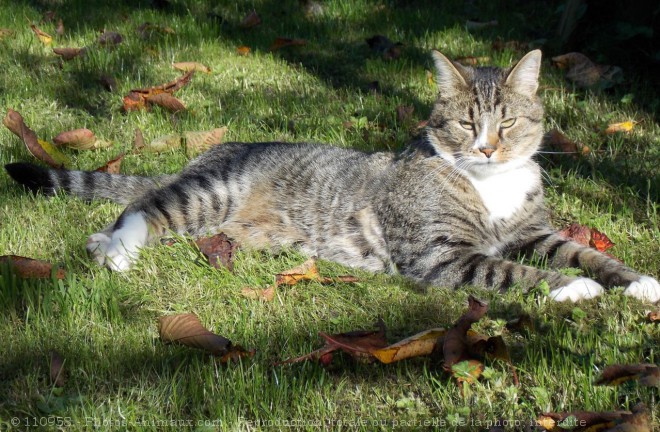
point(481, 169)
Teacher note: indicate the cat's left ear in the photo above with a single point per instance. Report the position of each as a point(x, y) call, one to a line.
point(524, 76)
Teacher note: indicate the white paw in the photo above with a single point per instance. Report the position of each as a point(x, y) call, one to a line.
point(645, 289)
point(579, 289)
point(118, 259)
point(97, 245)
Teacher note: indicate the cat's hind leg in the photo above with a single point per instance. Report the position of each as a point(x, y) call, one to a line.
point(118, 247)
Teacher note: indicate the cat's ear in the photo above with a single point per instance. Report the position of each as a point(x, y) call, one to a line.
point(524, 76)
point(450, 75)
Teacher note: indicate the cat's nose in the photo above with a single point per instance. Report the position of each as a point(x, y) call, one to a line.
point(487, 151)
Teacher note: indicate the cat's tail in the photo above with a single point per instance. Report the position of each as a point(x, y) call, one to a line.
point(88, 185)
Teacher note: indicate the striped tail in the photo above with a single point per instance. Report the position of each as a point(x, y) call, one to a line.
point(88, 185)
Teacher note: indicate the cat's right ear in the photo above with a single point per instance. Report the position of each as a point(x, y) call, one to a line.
point(450, 76)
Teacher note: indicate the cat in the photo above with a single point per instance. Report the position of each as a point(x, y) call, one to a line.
point(448, 212)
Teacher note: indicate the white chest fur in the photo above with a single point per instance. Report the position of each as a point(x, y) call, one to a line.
point(504, 193)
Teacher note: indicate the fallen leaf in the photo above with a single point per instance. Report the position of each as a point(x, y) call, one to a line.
point(478, 25)
point(147, 29)
point(44, 37)
point(112, 166)
point(585, 73)
point(235, 353)
point(359, 344)
point(635, 421)
point(384, 46)
point(340, 279)
point(191, 66)
point(60, 27)
point(108, 82)
point(137, 98)
point(455, 345)
point(166, 101)
point(30, 268)
point(110, 39)
point(57, 369)
point(282, 42)
point(599, 241)
point(200, 141)
point(163, 143)
point(219, 250)
point(79, 139)
point(267, 294)
point(586, 236)
point(243, 50)
point(69, 53)
point(404, 113)
point(648, 374)
point(187, 330)
point(42, 150)
point(430, 78)
point(251, 20)
point(417, 345)
point(626, 127)
point(139, 139)
point(472, 61)
point(559, 142)
point(653, 316)
point(306, 271)
point(523, 323)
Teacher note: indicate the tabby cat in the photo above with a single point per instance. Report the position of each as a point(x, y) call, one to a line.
point(447, 213)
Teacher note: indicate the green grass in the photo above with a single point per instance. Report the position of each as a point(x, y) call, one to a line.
point(105, 325)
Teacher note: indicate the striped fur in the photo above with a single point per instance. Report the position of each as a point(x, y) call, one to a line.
point(450, 212)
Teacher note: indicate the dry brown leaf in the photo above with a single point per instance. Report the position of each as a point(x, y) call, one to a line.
point(108, 82)
point(57, 369)
point(200, 141)
point(523, 322)
point(455, 344)
point(306, 271)
point(585, 73)
point(166, 101)
point(139, 139)
point(384, 46)
point(512, 45)
point(69, 53)
point(267, 294)
point(251, 20)
point(472, 61)
point(186, 329)
point(648, 374)
point(136, 98)
point(559, 142)
point(282, 42)
point(243, 50)
point(79, 139)
point(653, 316)
point(30, 268)
point(44, 37)
point(163, 143)
point(586, 236)
point(113, 166)
point(191, 66)
point(417, 345)
point(110, 39)
point(582, 420)
point(219, 250)
point(626, 127)
point(42, 150)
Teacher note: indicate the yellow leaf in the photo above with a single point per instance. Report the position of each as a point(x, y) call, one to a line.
point(625, 126)
point(243, 50)
point(58, 157)
point(44, 37)
point(417, 345)
point(194, 66)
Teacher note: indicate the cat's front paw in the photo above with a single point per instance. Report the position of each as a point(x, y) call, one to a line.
point(579, 289)
point(97, 246)
point(645, 289)
point(118, 258)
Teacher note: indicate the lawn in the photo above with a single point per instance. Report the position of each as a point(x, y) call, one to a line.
point(334, 89)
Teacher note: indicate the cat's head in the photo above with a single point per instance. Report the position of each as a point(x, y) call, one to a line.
point(485, 119)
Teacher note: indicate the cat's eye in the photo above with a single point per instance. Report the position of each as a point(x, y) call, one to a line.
point(508, 123)
point(466, 125)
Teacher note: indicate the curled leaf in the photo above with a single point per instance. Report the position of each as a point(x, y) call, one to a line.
point(187, 330)
point(79, 139)
point(137, 98)
point(197, 142)
point(112, 166)
point(417, 345)
point(305, 271)
point(455, 344)
point(69, 53)
point(41, 150)
point(219, 250)
point(164, 143)
point(625, 127)
point(648, 374)
point(44, 37)
point(30, 268)
point(191, 66)
point(166, 101)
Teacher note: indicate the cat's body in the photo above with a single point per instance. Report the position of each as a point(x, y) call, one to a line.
point(448, 215)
